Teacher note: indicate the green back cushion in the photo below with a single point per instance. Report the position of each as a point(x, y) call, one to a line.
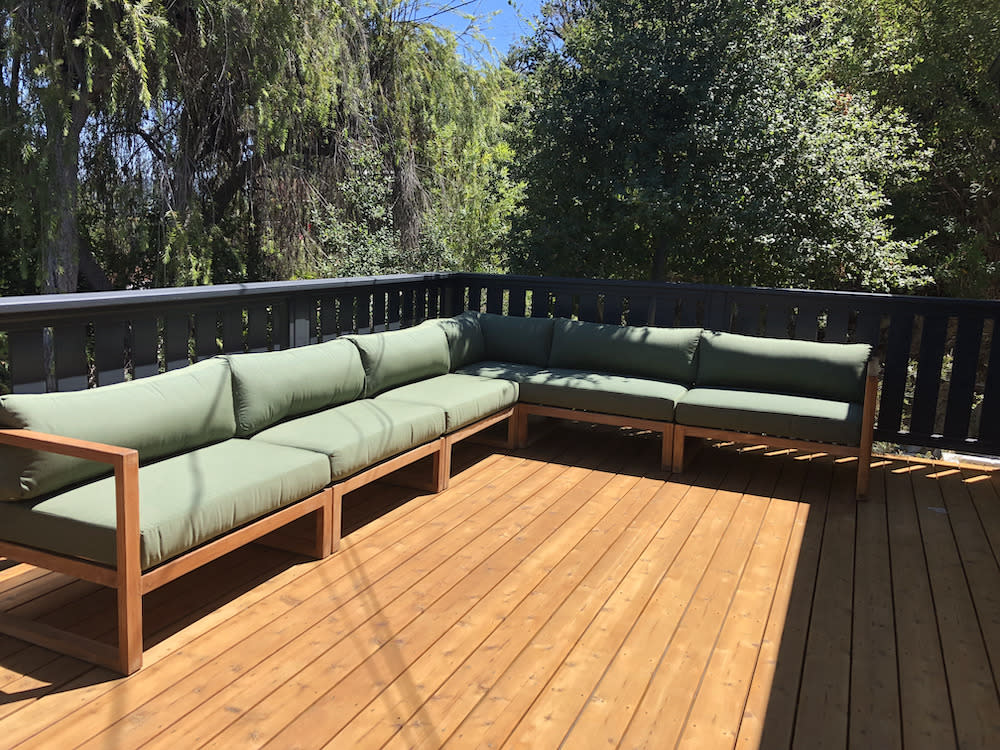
point(643, 351)
point(158, 416)
point(270, 386)
point(399, 357)
point(465, 338)
point(804, 368)
point(524, 341)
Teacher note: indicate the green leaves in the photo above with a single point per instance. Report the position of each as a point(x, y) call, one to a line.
point(699, 141)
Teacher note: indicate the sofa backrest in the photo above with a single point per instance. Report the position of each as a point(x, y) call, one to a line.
point(803, 368)
point(465, 338)
point(158, 416)
point(396, 358)
point(643, 351)
point(525, 341)
point(271, 386)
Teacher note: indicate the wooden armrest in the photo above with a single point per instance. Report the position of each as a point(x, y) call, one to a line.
point(874, 367)
point(67, 446)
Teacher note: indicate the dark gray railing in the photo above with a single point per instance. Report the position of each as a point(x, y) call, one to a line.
point(940, 385)
point(72, 341)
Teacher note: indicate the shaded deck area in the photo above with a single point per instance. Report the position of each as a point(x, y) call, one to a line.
point(567, 595)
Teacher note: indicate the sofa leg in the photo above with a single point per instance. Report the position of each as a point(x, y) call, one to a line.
point(513, 427)
point(667, 449)
point(520, 426)
point(864, 473)
point(442, 466)
point(324, 527)
point(334, 519)
point(678, 449)
point(129, 567)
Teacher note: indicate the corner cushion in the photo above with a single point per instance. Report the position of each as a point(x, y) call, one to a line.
point(354, 436)
point(465, 338)
point(774, 414)
point(463, 398)
point(184, 501)
point(158, 416)
point(514, 339)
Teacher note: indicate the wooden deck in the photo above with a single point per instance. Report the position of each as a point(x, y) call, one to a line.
point(568, 595)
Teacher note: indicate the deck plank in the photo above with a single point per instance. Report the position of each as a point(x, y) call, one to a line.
point(974, 698)
point(875, 715)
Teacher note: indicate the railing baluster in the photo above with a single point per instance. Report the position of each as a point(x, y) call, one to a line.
point(206, 334)
point(517, 304)
point(897, 358)
point(27, 361)
point(233, 340)
point(925, 393)
point(962, 383)
point(70, 342)
point(109, 351)
point(989, 422)
point(257, 328)
point(145, 347)
point(494, 299)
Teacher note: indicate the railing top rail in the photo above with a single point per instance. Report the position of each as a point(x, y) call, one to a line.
point(865, 298)
point(30, 308)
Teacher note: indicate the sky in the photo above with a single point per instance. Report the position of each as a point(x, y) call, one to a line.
point(507, 22)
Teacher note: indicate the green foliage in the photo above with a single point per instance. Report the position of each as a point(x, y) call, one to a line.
point(938, 61)
point(221, 140)
point(687, 140)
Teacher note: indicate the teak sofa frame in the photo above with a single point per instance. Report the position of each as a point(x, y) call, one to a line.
point(127, 577)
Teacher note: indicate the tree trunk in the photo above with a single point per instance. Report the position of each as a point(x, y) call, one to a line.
point(60, 252)
point(659, 270)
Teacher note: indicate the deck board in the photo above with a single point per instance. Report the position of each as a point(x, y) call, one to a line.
point(569, 594)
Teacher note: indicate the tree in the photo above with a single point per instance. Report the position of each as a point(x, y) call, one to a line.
point(688, 140)
point(63, 61)
point(938, 60)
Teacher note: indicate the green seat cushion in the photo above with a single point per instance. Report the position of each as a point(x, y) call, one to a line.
point(644, 351)
point(395, 358)
point(463, 398)
point(774, 414)
point(465, 338)
point(357, 435)
point(513, 339)
point(606, 393)
point(805, 368)
point(271, 386)
point(184, 501)
point(158, 416)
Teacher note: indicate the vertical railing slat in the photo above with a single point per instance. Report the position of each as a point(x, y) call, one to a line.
point(145, 347)
point(962, 383)
point(109, 351)
point(27, 361)
point(70, 341)
point(929, 362)
point(897, 357)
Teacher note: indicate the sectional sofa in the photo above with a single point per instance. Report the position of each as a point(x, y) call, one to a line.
point(133, 485)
